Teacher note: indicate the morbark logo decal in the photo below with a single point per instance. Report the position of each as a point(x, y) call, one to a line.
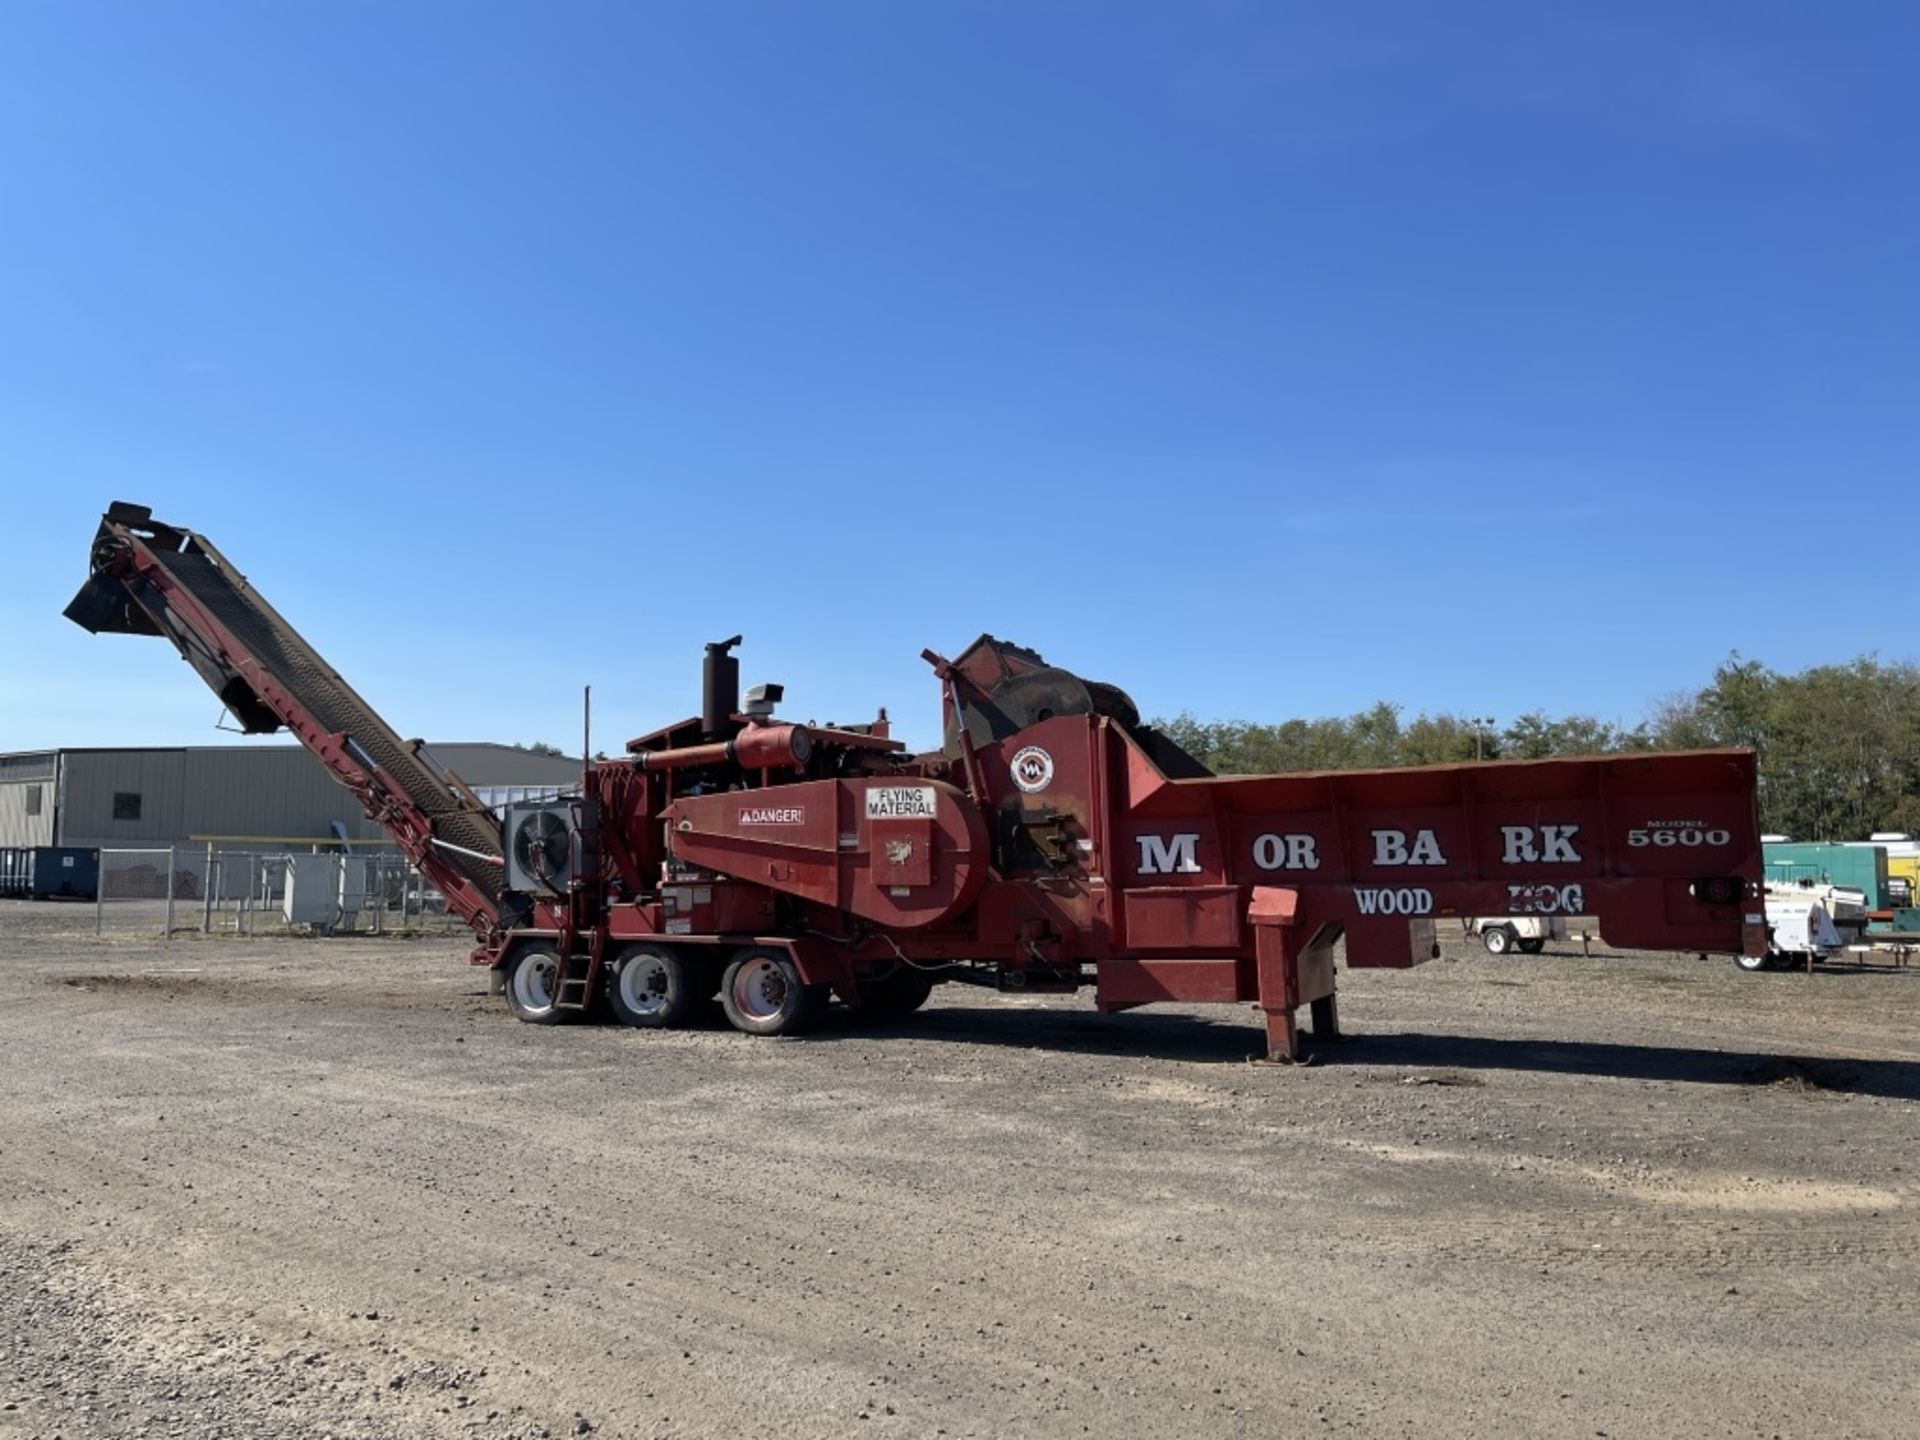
point(1032, 769)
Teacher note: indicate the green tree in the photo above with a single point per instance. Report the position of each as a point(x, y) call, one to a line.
point(1838, 745)
point(1537, 736)
point(1446, 740)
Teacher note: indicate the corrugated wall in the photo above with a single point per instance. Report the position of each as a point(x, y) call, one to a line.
point(89, 781)
point(29, 765)
point(17, 827)
point(278, 791)
point(267, 792)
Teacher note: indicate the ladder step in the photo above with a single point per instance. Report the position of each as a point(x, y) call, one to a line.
point(575, 990)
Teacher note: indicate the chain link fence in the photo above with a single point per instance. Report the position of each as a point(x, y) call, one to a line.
point(203, 891)
point(138, 892)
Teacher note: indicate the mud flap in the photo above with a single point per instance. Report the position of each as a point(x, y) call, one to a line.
point(818, 962)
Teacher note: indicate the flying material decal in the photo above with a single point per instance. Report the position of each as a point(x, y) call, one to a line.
point(902, 802)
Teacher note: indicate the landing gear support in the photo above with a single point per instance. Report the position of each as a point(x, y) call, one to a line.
point(1283, 1040)
point(1326, 1019)
point(1295, 968)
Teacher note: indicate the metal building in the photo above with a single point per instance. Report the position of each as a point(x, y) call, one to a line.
point(181, 795)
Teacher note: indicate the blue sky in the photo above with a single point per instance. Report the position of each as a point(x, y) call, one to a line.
point(1262, 358)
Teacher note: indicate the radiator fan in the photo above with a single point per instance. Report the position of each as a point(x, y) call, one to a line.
point(539, 846)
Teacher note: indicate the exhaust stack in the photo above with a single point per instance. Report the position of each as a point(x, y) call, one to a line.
point(720, 688)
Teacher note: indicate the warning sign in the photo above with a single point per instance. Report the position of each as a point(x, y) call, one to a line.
point(897, 802)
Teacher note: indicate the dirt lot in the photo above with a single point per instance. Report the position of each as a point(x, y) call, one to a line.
point(286, 1188)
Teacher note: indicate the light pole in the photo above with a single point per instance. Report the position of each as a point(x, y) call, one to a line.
point(1481, 724)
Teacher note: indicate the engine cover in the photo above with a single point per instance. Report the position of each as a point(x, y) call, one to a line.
point(900, 853)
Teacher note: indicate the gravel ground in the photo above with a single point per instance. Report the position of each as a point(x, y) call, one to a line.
point(328, 1188)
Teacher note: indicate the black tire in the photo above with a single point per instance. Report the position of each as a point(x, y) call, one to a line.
point(901, 991)
point(1533, 945)
point(652, 987)
point(1499, 939)
point(532, 977)
point(763, 994)
point(1754, 964)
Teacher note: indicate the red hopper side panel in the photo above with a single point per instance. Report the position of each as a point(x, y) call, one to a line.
point(903, 853)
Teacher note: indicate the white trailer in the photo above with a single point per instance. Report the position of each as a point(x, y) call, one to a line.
point(1799, 932)
point(1846, 905)
point(1529, 934)
point(1805, 923)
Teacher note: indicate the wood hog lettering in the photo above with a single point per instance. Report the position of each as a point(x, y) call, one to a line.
point(1408, 900)
point(1546, 900)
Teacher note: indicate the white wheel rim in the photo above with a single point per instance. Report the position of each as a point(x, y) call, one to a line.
point(759, 989)
point(643, 985)
point(533, 983)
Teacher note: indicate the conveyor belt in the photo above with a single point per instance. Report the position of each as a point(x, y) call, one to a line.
point(291, 662)
point(294, 665)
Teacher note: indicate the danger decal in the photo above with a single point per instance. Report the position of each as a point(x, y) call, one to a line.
point(774, 815)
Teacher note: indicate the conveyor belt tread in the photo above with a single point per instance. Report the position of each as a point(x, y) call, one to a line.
point(292, 663)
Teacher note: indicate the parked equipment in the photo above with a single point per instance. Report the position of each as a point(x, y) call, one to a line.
point(1844, 906)
point(1528, 934)
point(1799, 931)
point(49, 872)
point(1854, 867)
point(1903, 866)
point(1053, 842)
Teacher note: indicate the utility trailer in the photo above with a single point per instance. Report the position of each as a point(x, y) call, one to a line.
point(1528, 934)
point(1800, 932)
point(1054, 842)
